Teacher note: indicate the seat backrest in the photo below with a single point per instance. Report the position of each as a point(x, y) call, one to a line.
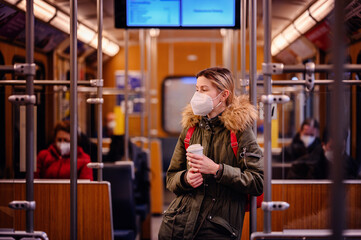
point(142, 170)
point(116, 149)
point(168, 145)
point(121, 178)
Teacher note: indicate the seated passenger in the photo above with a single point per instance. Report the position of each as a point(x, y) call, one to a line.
point(109, 126)
point(305, 141)
point(317, 164)
point(54, 162)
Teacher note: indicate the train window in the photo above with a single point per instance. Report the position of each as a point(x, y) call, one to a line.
point(177, 92)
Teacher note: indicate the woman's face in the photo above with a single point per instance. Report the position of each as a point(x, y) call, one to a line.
point(62, 136)
point(205, 86)
point(62, 142)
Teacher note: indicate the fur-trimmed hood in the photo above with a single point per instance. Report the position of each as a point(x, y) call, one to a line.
point(236, 117)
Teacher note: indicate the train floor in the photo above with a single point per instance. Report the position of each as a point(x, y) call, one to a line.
point(157, 219)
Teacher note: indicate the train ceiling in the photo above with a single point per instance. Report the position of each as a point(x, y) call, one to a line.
point(281, 17)
point(284, 13)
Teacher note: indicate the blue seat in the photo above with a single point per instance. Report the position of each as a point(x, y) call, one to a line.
point(142, 180)
point(121, 178)
point(168, 145)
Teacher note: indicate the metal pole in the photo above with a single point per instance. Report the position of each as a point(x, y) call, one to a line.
point(235, 54)
point(73, 119)
point(43, 82)
point(243, 45)
point(338, 124)
point(126, 121)
point(100, 87)
point(29, 116)
point(142, 95)
point(320, 68)
point(253, 91)
point(317, 82)
point(267, 10)
point(149, 69)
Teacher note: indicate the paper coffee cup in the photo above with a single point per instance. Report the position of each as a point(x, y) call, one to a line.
point(196, 149)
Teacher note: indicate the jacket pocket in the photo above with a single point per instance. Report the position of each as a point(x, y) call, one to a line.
point(173, 224)
point(221, 223)
point(244, 155)
point(174, 220)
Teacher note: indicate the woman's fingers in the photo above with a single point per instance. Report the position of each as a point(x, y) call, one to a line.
point(195, 180)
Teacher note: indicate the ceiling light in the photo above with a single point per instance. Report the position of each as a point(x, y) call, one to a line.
point(42, 10)
point(12, 2)
point(94, 42)
point(85, 34)
point(61, 21)
point(280, 42)
point(321, 9)
point(110, 48)
point(290, 33)
point(22, 5)
point(304, 22)
point(274, 50)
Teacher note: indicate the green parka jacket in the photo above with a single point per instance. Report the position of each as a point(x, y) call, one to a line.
point(214, 210)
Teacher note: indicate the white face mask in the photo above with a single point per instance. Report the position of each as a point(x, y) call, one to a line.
point(64, 148)
point(307, 140)
point(329, 155)
point(202, 104)
point(111, 125)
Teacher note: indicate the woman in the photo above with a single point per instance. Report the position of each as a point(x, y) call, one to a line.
point(54, 162)
point(212, 192)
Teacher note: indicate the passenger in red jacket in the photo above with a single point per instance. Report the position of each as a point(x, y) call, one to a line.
point(54, 162)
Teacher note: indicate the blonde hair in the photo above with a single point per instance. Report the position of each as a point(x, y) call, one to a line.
point(222, 79)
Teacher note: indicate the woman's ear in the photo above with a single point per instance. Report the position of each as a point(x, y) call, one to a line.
point(225, 94)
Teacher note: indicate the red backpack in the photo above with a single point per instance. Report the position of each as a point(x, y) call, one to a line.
point(234, 145)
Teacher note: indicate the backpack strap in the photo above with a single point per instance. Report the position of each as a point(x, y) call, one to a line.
point(188, 137)
point(234, 143)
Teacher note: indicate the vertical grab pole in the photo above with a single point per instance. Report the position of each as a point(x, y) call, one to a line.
point(267, 10)
point(29, 116)
point(338, 124)
point(149, 77)
point(243, 45)
point(253, 91)
point(126, 121)
point(142, 110)
point(73, 119)
point(100, 87)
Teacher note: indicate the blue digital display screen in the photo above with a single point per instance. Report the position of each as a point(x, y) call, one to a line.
point(153, 13)
point(208, 13)
point(177, 13)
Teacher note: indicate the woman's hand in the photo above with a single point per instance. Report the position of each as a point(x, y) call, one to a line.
point(202, 164)
point(194, 178)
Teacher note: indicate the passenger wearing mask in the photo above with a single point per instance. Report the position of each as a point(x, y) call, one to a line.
point(110, 123)
point(211, 189)
point(317, 164)
point(303, 143)
point(54, 162)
